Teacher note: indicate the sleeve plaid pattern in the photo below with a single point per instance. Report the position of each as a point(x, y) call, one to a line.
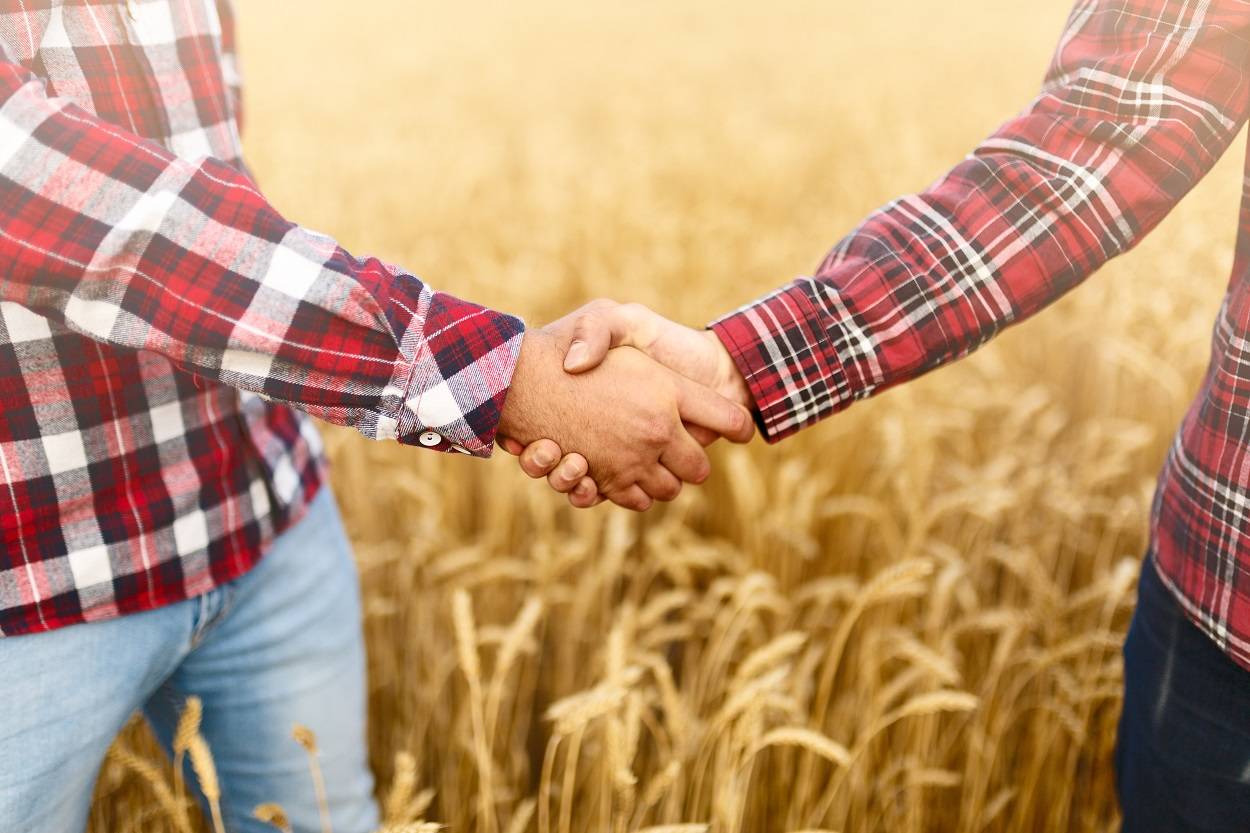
point(165, 334)
point(122, 241)
point(1140, 101)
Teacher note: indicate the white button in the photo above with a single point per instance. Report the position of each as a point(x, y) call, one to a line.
point(429, 439)
point(460, 449)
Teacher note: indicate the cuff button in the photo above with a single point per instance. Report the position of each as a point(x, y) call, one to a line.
point(429, 439)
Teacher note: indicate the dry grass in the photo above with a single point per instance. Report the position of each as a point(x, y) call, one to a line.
point(907, 619)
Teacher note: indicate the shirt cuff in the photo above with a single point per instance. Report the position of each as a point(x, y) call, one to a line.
point(781, 345)
point(455, 374)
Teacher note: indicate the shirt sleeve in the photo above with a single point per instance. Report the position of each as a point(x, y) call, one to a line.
point(115, 238)
point(1140, 101)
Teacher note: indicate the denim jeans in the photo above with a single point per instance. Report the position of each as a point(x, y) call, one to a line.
point(280, 645)
point(1183, 752)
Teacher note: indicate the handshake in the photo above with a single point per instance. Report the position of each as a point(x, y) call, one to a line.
point(627, 425)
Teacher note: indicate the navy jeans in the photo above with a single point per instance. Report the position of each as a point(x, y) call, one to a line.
point(1183, 751)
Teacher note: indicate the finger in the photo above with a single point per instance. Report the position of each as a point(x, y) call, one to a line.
point(701, 435)
point(702, 406)
point(510, 445)
point(686, 459)
point(539, 458)
point(568, 473)
point(633, 498)
point(585, 494)
point(661, 484)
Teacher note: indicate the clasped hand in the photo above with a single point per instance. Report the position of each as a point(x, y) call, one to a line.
point(627, 425)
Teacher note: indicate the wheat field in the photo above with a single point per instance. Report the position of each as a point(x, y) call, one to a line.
point(906, 619)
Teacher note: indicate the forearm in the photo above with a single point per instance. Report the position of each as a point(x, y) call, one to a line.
point(113, 237)
point(1137, 107)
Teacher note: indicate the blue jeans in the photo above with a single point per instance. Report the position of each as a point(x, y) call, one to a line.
point(1183, 752)
point(278, 646)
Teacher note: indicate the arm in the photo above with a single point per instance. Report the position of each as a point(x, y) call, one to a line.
point(113, 237)
point(1140, 101)
point(117, 239)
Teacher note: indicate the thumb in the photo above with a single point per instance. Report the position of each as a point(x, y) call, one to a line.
point(592, 338)
point(598, 329)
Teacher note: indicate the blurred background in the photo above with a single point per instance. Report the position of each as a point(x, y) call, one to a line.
point(907, 618)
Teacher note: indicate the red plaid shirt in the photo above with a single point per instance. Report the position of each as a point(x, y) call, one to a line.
point(1142, 98)
point(158, 318)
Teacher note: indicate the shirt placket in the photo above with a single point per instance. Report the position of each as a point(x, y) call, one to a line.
point(134, 40)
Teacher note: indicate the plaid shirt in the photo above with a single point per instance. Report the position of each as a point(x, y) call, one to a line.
point(159, 319)
point(1142, 98)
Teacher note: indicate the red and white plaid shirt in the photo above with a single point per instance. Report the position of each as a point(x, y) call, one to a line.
point(156, 312)
point(1142, 98)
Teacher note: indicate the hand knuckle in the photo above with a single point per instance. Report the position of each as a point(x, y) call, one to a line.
point(657, 430)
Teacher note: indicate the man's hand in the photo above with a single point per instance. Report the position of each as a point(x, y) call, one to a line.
point(587, 335)
point(698, 355)
point(626, 417)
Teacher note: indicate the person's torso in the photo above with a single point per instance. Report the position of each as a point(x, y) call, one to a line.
point(125, 483)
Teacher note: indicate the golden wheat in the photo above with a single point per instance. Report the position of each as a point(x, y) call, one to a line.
point(306, 738)
point(206, 772)
point(273, 814)
point(905, 619)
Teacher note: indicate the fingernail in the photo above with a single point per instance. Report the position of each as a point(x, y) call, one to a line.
point(575, 356)
point(543, 459)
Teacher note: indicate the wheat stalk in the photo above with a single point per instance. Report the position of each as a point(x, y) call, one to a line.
point(466, 649)
point(206, 773)
point(188, 727)
point(306, 738)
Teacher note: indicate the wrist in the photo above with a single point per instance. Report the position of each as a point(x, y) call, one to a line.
point(730, 383)
point(521, 418)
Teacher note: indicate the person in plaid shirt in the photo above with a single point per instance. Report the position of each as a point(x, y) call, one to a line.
point(1142, 98)
point(165, 335)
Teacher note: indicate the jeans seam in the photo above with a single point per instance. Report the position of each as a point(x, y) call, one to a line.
point(205, 627)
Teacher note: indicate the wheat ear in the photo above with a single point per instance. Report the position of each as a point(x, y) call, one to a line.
point(188, 727)
point(206, 772)
point(273, 814)
point(175, 808)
